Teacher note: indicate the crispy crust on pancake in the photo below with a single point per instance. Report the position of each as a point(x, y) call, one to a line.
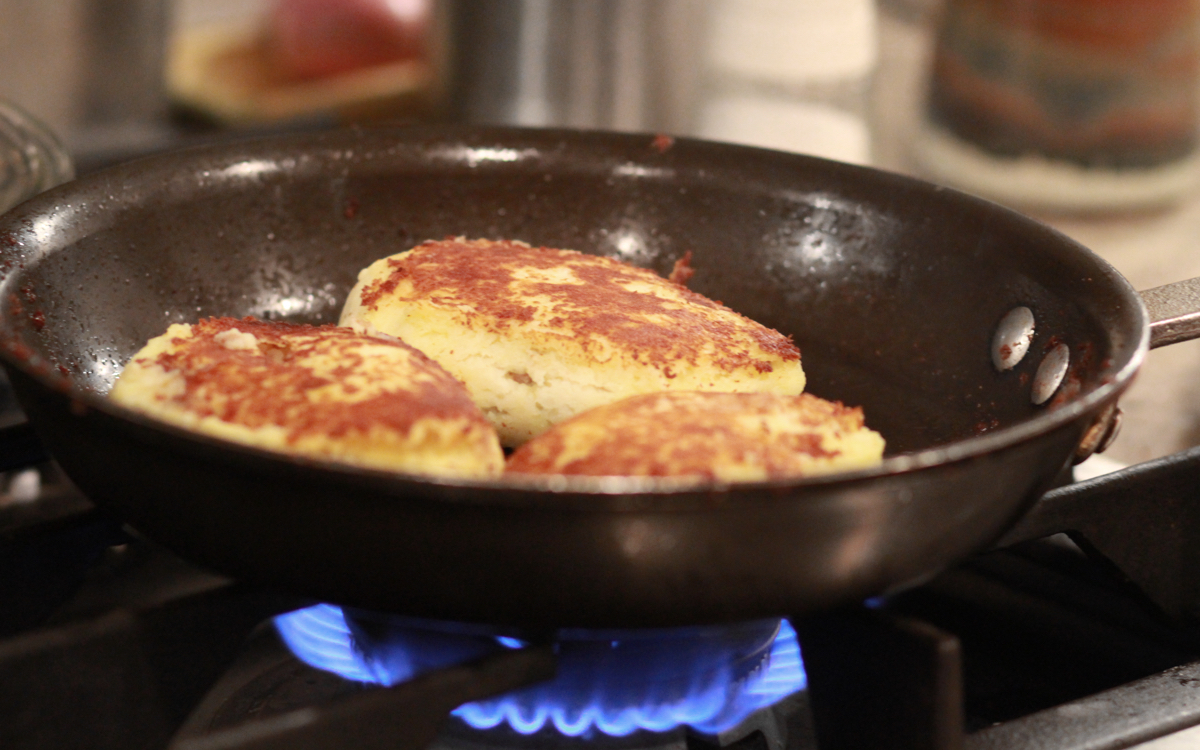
point(718, 436)
point(324, 392)
point(539, 334)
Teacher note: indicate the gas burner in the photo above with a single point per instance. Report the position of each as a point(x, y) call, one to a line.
point(784, 724)
point(268, 683)
point(614, 684)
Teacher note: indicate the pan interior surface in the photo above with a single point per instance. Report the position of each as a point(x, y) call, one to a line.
point(891, 288)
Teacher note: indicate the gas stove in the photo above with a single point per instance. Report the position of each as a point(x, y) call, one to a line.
point(1084, 639)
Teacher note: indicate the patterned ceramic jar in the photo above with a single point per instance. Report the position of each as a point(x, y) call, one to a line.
point(1066, 104)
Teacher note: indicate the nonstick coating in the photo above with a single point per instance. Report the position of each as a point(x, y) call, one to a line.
point(891, 287)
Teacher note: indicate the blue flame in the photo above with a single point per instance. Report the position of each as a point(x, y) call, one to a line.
point(587, 695)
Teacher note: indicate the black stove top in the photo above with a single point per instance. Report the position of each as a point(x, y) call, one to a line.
point(1058, 641)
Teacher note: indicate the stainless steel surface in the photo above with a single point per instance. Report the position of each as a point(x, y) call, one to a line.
point(1174, 312)
point(1012, 338)
point(83, 65)
point(615, 64)
point(123, 76)
point(1050, 373)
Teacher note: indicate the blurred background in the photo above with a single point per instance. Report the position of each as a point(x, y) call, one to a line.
point(1082, 113)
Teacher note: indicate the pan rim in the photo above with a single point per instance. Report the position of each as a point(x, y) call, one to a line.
point(550, 489)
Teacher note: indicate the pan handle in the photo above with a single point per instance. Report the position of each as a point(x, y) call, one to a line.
point(1174, 312)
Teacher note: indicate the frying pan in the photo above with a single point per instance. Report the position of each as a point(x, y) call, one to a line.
point(892, 288)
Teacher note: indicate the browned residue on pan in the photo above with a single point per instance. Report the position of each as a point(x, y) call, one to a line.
point(682, 271)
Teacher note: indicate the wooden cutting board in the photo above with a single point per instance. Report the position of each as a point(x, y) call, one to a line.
point(223, 72)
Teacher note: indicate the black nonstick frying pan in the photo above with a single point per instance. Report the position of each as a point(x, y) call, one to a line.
point(894, 290)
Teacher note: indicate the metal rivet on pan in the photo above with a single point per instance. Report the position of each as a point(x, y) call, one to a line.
point(1100, 434)
point(1050, 373)
point(1012, 338)
point(1114, 429)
